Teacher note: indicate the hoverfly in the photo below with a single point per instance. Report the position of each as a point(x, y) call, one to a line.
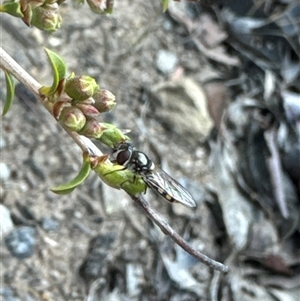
point(154, 177)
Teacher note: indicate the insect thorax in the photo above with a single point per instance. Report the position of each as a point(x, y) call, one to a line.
point(140, 162)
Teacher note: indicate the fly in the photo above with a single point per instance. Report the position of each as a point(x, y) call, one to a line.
point(154, 177)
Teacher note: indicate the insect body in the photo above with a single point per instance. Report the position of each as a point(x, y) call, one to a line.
point(154, 177)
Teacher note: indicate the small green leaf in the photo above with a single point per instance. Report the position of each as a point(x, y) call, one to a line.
point(118, 177)
point(10, 92)
point(12, 8)
point(165, 4)
point(59, 72)
point(84, 172)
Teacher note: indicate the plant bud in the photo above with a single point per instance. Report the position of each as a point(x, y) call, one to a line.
point(92, 129)
point(88, 101)
point(72, 118)
point(27, 13)
point(112, 135)
point(46, 17)
point(87, 110)
point(47, 1)
point(101, 6)
point(104, 101)
point(58, 107)
point(80, 88)
point(35, 3)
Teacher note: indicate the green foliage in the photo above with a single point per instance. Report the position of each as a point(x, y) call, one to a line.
point(82, 175)
point(59, 72)
point(74, 107)
point(165, 4)
point(10, 92)
point(43, 14)
point(12, 8)
point(112, 174)
point(117, 177)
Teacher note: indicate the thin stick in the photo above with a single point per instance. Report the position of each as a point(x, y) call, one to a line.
point(168, 230)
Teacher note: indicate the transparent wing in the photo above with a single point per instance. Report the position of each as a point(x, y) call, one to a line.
point(167, 187)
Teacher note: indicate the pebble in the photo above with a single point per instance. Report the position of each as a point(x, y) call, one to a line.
point(2, 143)
point(21, 242)
point(49, 224)
point(6, 224)
point(6, 294)
point(4, 172)
point(134, 276)
point(166, 61)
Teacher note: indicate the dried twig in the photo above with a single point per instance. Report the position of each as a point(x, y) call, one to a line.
point(276, 172)
point(168, 230)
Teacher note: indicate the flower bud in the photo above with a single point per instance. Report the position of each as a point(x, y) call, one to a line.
point(101, 6)
point(46, 17)
point(104, 100)
point(35, 3)
point(80, 88)
point(92, 129)
point(27, 13)
point(112, 135)
point(88, 101)
point(47, 1)
point(72, 118)
point(58, 107)
point(87, 110)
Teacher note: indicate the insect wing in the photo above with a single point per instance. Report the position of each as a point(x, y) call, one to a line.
point(169, 188)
